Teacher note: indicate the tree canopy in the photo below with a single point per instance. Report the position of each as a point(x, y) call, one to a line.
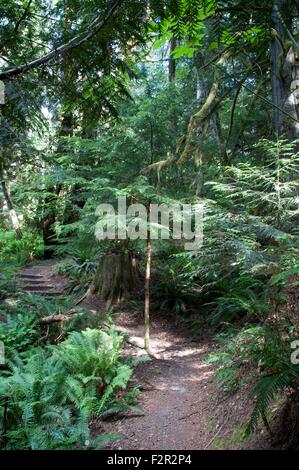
point(179, 103)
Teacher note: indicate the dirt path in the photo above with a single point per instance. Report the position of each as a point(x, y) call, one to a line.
point(42, 279)
point(182, 406)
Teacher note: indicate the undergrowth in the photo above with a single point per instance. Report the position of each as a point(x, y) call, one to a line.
point(55, 382)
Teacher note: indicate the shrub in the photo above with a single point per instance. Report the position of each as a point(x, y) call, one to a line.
point(50, 395)
point(20, 251)
point(18, 332)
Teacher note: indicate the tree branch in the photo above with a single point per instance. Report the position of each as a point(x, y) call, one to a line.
point(95, 26)
point(270, 102)
point(26, 11)
point(197, 121)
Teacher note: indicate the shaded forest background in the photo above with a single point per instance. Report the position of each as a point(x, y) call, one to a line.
point(175, 102)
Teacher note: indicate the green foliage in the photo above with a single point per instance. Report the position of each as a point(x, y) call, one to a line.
point(268, 192)
point(239, 349)
point(266, 389)
point(176, 288)
point(81, 264)
point(18, 332)
point(278, 372)
point(261, 356)
point(20, 251)
point(20, 314)
point(80, 134)
point(244, 295)
point(186, 19)
point(51, 395)
point(7, 281)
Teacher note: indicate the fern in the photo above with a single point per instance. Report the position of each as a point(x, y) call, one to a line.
point(52, 394)
point(266, 389)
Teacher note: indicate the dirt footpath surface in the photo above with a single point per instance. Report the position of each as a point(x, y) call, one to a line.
point(183, 408)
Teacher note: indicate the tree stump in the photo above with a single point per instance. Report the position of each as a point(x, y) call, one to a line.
point(116, 277)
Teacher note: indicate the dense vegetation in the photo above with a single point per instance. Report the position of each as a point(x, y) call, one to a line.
point(174, 102)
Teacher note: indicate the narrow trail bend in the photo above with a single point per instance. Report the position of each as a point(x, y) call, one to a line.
point(183, 408)
point(41, 279)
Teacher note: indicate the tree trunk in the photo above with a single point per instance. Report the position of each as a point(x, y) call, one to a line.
point(222, 149)
point(243, 123)
point(116, 277)
point(202, 93)
point(284, 76)
point(171, 62)
point(276, 54)
point(12, 213)
point(147, 286)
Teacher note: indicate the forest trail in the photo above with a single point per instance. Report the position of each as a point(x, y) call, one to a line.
point(41, 279)
point(183, 408)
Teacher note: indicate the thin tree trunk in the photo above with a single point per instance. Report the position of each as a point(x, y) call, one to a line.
point(171, 62)
point(147, 285)
point(276, 54)
point(222, 149)
point(235, 146)
point(12, 213)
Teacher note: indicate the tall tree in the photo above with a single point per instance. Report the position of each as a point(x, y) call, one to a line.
point(284, 69)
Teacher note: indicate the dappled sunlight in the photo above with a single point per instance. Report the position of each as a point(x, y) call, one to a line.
point(149, 242)
point(175, 352)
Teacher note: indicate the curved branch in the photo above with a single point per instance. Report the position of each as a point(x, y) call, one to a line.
point(198, 119)
point(95, 26)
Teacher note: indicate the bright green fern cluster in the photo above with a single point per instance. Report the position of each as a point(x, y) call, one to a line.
point(49, 396)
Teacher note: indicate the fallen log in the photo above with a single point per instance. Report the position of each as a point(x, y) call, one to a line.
point(58, 318)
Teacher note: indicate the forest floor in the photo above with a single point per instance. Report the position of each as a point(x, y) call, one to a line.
point(42, 279)
point(183, 407)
